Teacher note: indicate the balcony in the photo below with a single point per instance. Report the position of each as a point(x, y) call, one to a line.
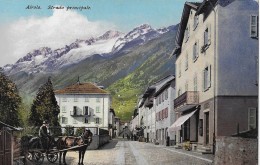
point(187, 98)
point(79, 114)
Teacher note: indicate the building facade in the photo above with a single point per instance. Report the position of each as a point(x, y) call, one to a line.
point(164, 109)
point(216, 70)
point(84, 105)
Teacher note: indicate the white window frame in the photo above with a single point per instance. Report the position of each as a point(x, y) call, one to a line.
point(86, 120)
point(64, 99)
point(98, 100)
point(97, 109)
point(250, 125)
point(63, 109)
point(254, 26)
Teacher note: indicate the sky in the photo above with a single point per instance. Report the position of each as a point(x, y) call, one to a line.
point(23, 30)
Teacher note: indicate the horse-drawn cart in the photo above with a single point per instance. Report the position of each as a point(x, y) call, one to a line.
point(35, 152)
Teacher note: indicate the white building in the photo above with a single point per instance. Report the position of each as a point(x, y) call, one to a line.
point(216, 70)
point(84, 105)
point(164, 109)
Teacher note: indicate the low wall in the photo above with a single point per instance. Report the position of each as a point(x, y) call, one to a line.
point(98, 141)
point(236, 151)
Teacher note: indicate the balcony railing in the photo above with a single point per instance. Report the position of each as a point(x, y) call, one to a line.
point(79, 114)
point(189, 97)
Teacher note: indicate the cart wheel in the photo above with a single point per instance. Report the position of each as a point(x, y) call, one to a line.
point(37, 157)
point(52, 157)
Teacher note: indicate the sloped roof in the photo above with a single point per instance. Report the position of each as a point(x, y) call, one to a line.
point(199, 8)
point(81, 88)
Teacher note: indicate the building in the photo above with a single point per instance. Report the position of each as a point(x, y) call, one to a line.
point(84, 105)
point(216, 70)
point(164, 109)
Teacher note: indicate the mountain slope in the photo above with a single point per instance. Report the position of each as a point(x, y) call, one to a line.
point(125, 72)
point(126, 91)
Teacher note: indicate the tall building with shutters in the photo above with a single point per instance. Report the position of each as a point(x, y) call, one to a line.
point(84, 105)
point(216, 70)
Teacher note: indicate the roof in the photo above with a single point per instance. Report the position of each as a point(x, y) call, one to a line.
point(81, 88)
point(164, 85)
point(9, 126)
point(199, 8)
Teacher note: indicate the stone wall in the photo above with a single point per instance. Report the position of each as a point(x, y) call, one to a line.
point(98, 141)
point(236, 151)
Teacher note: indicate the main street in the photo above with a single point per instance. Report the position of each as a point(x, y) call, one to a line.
point(123, 152)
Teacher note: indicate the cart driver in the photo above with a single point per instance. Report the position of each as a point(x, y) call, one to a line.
point(44, 134)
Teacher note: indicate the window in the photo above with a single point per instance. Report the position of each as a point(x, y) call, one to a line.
point(75, 121)
point(187, 33)
point(201, 127)
point(86, 110)
point(162, 95)
point(206, 78)
point(63, 109)
point(195, 51)
point(195, 83)
point(166, 112)
point(64, 99)
point(251, 118)
point(179, 92)
point(97, 109)
point(86, 99)
point(254, 26)
point(207, 36)
point(187, 62)
point(86, 121)
point(195, 22)
point(64, 120)
point(186, 86)
point(98, 100)
point(74, 110)
point(180, 69)
point(166, 94)
point(159, 99)
point(97, 120)
point(75, 98)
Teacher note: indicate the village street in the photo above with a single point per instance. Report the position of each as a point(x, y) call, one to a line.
point(123, 152)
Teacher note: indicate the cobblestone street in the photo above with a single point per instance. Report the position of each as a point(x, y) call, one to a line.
point(123, 152)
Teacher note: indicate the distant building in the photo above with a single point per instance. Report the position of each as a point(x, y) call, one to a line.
point(216, 70)
point(84, 105)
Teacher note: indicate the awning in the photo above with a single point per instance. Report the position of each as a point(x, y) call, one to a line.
point(177, 124)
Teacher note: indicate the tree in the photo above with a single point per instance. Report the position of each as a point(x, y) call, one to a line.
point(10, 101)
point(45, 106)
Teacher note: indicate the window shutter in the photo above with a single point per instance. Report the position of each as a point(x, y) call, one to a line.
point(203, 80)
point(194, 51)
point(209, 76)
point(209, 34)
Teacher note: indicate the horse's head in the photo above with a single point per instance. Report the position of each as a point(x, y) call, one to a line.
point(87, 136)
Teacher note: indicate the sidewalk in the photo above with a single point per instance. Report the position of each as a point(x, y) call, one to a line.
point(206, 157)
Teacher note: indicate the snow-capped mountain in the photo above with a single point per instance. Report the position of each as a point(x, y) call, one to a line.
point(47, 60)
point(138, 36)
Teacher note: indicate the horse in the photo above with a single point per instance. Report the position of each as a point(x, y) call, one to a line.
point(66, 142)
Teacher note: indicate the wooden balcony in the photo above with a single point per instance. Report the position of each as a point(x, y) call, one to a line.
point(187, 98)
